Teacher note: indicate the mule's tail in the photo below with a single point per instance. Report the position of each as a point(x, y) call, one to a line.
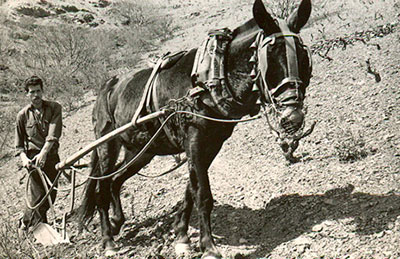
point(88, 206)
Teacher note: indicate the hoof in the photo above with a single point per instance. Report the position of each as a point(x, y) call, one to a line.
point(111, 249)
point(115, 228)
point(211, 255)
point(182, 249)
point(111, 252)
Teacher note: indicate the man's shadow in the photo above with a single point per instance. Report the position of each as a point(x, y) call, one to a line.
point(289, 216)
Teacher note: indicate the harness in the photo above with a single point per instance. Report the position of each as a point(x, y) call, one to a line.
point(149, 102)
point(208, 73)
point(274, 93)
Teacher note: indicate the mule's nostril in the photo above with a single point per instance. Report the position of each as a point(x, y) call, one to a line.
point(285, 147)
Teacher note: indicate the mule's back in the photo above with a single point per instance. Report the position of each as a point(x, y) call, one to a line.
point(127, 90)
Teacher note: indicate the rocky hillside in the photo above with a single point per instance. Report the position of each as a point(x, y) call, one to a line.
point(342, 200)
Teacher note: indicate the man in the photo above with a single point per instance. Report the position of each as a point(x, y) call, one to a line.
point(37, 133)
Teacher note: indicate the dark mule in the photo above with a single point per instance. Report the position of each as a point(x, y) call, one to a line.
point(264, 59)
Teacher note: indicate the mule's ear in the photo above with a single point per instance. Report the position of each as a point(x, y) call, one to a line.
point(299, 18)
point(263, 18)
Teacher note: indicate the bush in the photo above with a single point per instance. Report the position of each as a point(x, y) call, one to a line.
point(350, 146)
point(72, 60)
point(36, 12)
point(69, 59)
point(281, 9)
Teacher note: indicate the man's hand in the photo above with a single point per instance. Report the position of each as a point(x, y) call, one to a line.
point(40, 159)
point(26, 162)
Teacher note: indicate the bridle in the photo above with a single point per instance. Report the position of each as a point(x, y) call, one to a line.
point(273, 94)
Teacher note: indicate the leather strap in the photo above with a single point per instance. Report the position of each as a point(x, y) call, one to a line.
point(147, 91)
point(157, 108)
point(291, 54)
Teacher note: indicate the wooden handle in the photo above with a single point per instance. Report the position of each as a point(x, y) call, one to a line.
point(84, 151)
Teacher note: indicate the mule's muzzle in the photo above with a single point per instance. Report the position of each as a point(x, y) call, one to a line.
point(290, 130)
point(288, 147)
point(291, 120)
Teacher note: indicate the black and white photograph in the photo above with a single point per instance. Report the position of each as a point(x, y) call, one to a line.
point(199, 129)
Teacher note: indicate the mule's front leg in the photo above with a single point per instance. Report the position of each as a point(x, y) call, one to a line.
point(204, 206)
point(201, 151)
point(181, 224)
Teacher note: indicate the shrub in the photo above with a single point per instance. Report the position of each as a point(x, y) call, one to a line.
point(69, 59)
point(72, 60)
point(36, 12)
point(7, 118)
point(281, 9)
point(350, 146)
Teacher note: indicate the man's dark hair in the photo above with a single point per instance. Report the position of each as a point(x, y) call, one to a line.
point(33, 80)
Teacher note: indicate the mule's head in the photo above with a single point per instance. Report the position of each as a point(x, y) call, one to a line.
point(282, 71)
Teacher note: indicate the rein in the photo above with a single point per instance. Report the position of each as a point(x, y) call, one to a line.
point(48, 190)
point(208, 74)
point(159, 130)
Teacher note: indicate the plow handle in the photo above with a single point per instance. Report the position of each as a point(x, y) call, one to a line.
point(81, 153)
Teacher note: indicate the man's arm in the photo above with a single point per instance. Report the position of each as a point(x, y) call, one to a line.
point(55, 124)
point(20, 136)
point(54, 133)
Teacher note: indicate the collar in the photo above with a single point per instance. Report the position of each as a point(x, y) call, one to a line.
point(44, 104)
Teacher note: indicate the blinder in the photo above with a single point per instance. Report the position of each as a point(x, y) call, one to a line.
point(278, 94)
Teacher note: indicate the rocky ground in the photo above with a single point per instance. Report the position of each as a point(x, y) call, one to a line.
point(342, 200)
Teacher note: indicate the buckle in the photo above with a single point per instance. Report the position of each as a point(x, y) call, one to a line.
point(196, 91)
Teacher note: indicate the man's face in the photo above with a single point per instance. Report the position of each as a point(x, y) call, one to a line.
point(35, 94)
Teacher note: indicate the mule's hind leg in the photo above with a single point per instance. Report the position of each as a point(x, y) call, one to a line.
point(108, 154)
point(118, 218)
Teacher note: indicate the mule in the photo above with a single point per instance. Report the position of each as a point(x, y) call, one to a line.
point(264, 63)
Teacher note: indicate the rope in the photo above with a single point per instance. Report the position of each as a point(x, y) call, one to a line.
point(138, 155)
point(221, 120)
point(144, 149)
point(65, 189)
point(48, 190)
point(46, 180)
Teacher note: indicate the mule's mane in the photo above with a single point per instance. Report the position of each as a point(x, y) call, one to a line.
point(245, 29)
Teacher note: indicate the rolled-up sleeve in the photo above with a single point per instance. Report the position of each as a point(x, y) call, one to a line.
point(55, 124)
point(20, 134)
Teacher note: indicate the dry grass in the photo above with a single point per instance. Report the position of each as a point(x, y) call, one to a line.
point(350, 146)
point(71, 59)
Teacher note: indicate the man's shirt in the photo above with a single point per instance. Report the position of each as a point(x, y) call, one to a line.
point(33, 130)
